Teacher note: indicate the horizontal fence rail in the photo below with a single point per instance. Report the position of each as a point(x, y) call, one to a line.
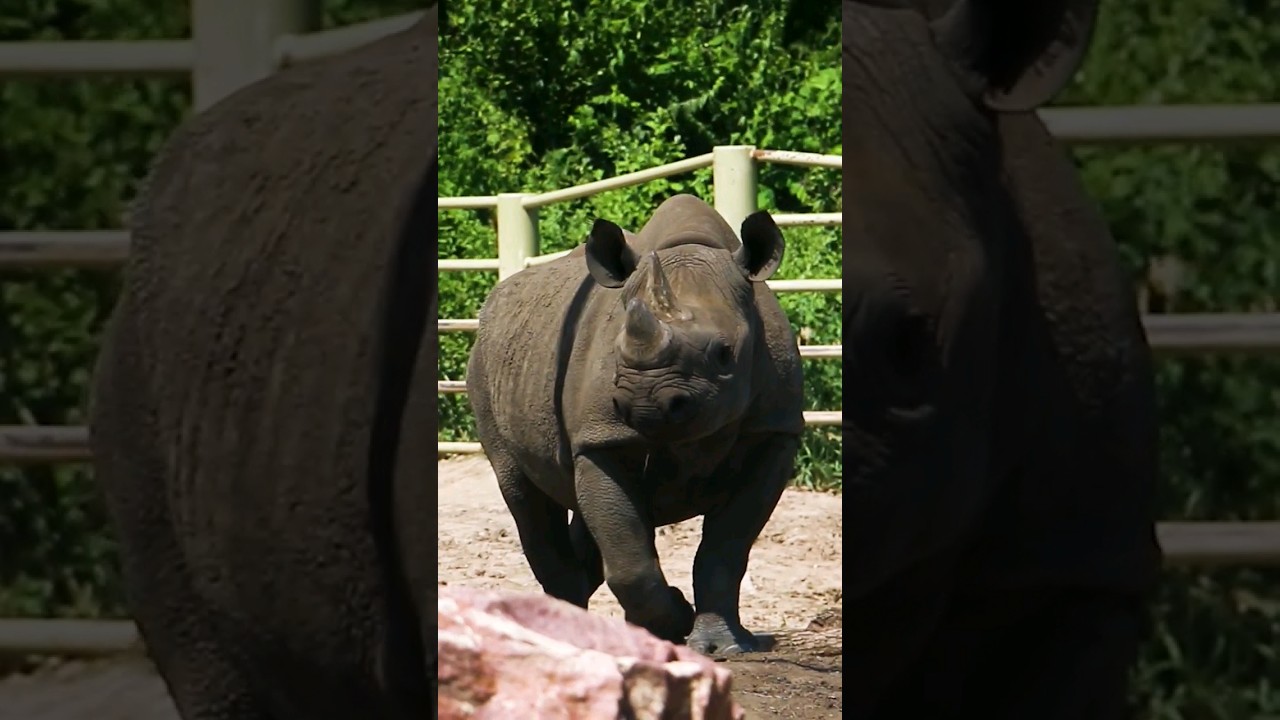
point(1184, 333)
point(1200, 333)
point(579, 192)
point(86, 58)
point(159, 58)
point(65, 249)
point(1164, 123)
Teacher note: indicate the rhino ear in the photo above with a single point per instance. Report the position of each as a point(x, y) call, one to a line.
point(1025, 52)
point(609, 259)
point(762, 246)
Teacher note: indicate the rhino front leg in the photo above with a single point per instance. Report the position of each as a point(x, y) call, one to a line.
point(728, 533)
point(616, 513)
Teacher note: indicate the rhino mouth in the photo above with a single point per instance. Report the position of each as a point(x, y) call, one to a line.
point(668, 415)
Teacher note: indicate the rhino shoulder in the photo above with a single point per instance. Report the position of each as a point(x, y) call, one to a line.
point(778, 377)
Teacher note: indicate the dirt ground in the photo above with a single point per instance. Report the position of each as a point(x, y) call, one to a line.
point(792, 590)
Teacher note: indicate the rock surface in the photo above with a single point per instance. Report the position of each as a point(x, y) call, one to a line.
point(527, 655)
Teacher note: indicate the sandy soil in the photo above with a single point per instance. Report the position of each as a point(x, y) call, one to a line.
point(794, 578)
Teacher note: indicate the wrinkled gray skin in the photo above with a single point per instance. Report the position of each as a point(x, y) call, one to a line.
point(254, 380)
point(640, 381)
point(1000, 429)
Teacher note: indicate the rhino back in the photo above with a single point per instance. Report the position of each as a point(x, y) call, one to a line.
point(260, 245)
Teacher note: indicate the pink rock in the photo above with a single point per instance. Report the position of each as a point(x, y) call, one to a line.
point(529, 656)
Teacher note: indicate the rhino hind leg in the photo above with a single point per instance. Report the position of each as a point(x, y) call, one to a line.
point(177, 626)
point(728, 532)
point(543, 528)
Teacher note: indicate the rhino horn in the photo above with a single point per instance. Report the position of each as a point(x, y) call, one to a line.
point(660, 292)
point(646, 335)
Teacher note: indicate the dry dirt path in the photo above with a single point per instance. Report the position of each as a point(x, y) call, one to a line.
point(794, 577)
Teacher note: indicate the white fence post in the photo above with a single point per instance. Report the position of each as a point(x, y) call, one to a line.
point(517, 233)
point(235, 42)
point(733, 173)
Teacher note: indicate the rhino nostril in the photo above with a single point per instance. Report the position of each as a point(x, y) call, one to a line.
point(679, 406)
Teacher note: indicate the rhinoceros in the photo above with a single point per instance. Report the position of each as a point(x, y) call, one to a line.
point(640, 381)
point(262, 362)
point(1000, 427)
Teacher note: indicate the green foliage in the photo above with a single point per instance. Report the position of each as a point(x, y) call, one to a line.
point(542, 96)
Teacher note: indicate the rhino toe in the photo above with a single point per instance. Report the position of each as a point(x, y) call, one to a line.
point(714, 635)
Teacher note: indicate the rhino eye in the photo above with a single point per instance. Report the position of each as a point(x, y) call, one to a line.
point(908, 346)
point(721, 354)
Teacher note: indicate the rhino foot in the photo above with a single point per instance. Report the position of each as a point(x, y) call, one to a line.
point(714, 635)
point(671, 620)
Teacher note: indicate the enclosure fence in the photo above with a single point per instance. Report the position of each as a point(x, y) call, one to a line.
point(733, 178)
point(236, 42)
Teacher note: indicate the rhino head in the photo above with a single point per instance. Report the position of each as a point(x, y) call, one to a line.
point(685, 348)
